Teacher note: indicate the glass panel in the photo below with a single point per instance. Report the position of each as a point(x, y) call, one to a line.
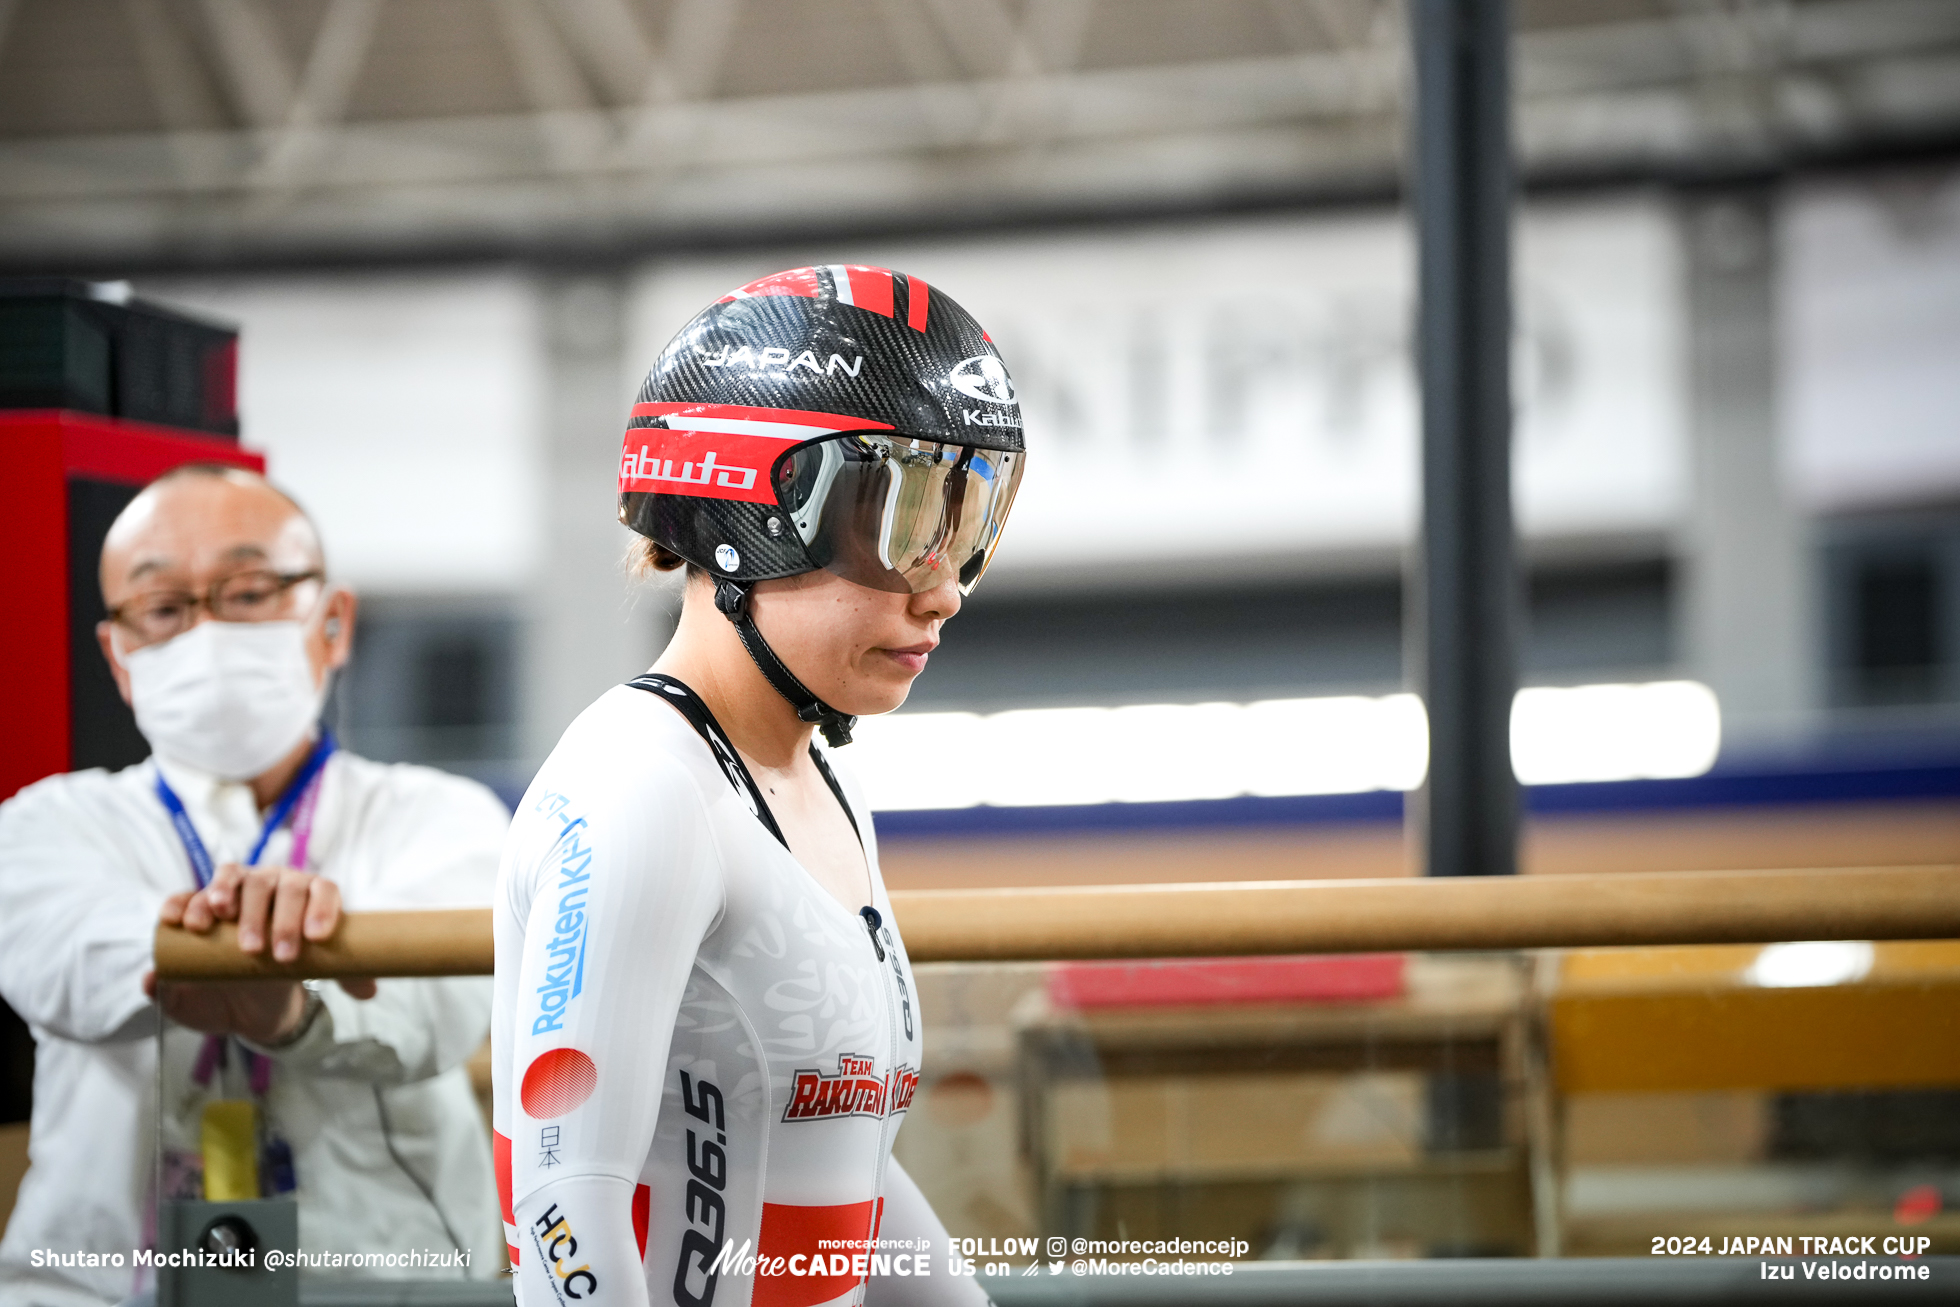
point(1806, 1090)
point(239, 1146)
point(221, 1216)
point(1369, 1106)
point(1571, 1104)
point(1275, 1112)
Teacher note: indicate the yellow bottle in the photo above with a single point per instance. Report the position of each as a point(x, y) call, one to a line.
point(231, 1151)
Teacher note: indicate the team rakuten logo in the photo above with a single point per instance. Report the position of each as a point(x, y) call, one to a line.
point(776, 359)
point(853, 1091)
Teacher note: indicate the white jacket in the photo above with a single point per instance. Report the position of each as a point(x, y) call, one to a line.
point(86, 860)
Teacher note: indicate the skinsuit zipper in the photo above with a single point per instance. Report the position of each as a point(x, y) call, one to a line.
point(873, 922)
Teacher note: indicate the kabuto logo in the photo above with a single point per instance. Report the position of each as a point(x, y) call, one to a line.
point(981, 418)
point(984, 377)
point(642, 465)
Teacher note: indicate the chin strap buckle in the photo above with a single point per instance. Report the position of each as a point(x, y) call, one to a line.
point(732, 600)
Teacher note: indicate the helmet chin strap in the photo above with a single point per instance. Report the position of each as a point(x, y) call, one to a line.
point(732, 598)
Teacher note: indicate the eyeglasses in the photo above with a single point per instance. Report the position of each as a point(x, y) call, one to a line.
point(260, 595)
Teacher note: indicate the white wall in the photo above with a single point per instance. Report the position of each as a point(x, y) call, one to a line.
point(401, 409)
point(1870, 317)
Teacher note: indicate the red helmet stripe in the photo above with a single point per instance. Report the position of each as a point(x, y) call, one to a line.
point(797, 281)
point(871, 288)
point(915, 303)
point(796, 417)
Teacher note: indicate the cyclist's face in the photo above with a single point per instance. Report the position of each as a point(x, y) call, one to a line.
point(184, 536)
point(858, 649)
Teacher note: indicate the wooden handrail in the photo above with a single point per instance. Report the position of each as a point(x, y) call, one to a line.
point(1207, 920)
point(441, 942)
point(1421, 915)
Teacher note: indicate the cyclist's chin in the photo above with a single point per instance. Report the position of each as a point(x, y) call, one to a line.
point(877, 688)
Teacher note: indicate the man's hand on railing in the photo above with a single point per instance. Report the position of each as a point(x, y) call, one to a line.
point(278, 903)
point(272, 906)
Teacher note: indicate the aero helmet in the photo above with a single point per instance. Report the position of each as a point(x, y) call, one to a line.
point(839, 417)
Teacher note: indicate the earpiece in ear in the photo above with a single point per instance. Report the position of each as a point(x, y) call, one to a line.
point(333, 628)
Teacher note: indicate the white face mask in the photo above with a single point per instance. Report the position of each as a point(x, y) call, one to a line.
point(230, 698)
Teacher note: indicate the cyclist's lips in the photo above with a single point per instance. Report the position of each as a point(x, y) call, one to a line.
point(912, 657)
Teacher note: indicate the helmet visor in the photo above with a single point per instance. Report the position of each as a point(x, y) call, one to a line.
point(898, 514)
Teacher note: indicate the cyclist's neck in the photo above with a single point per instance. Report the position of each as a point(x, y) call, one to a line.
point(707, 656)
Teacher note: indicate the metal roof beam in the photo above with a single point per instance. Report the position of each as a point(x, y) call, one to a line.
point(326, 86)
point(255, 67)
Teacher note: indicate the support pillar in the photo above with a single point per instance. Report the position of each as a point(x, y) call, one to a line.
point(589, 625)
point(1460, 632)
point(1747, 601)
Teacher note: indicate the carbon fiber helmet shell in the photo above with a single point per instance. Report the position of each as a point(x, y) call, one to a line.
point(799, 355)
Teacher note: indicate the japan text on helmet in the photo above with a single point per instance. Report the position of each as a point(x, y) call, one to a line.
point(841, 417)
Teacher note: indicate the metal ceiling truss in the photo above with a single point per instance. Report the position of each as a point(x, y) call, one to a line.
point(623, 126)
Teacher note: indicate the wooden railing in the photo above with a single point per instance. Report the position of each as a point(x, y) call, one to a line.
point(1257, 917)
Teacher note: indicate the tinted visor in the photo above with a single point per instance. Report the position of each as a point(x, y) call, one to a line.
point(898, 514)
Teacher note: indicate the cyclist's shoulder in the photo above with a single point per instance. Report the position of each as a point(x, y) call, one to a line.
point(626, 761)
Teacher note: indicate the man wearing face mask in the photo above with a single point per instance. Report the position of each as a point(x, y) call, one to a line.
point(223, 634)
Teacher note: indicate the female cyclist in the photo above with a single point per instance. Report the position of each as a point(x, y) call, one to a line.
point(705, 1029)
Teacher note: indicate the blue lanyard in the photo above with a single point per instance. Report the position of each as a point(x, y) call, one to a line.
point(201, 865)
